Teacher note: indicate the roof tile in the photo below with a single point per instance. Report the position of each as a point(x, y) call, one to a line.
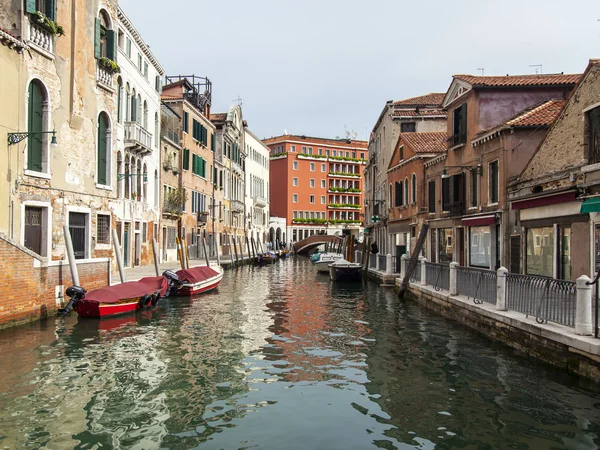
point(430, 142)
point(520, 80)
point(431, 99)
point(419, 113)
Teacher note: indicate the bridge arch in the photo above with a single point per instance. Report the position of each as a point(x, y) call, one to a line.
point(305, 245)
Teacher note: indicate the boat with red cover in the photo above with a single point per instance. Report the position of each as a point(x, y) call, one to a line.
point(196, 280)
point(120, 298)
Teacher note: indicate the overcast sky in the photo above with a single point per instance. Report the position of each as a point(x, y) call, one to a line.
point(315, 67)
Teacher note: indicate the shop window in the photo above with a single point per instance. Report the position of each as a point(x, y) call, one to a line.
point(446, 245)
point(539, 258)
point(480, 246)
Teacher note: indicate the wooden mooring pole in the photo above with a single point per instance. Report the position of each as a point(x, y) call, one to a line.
point(413, 260)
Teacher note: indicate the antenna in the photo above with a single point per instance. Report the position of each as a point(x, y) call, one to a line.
point(480, 68)
point(537, 67)
point(285, 132)
point(238, 101)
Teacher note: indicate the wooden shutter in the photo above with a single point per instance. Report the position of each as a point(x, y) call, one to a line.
point(463, 123)
point(97, 38)
point(111, 45)
point(186, 159)
point(30, 6)
point(51, 9)
point(212, 142)
point(102, 147)
point(36, 122)
point(432, 196)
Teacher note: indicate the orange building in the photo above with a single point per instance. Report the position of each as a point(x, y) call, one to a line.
point(317, 185)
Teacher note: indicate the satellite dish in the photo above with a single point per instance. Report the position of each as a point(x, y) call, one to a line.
point(285, 132)
point(347, 134)
point(354, 134)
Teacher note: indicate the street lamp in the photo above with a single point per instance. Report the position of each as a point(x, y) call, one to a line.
point(15, 138)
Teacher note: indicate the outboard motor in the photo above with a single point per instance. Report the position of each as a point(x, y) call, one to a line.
point(76, 293)
point(174, 282)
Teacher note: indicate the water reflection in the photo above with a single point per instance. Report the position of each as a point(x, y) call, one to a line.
point(282, 358)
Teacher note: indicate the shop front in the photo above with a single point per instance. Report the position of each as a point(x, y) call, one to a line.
point(483, 236)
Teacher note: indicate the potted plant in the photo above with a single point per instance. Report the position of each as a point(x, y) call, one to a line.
point(48, 24)
point(109, 65)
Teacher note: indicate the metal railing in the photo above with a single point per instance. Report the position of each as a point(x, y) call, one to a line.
point(382, 262)
point(372, 261)
point(416, 273)
point(477, 284)
point(438, 275)
point(547, 299)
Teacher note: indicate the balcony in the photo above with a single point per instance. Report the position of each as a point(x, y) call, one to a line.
point(237, 206)
point(137, 138)
point(41, 37)
point(259, 202)
point(237, 168)
point(104, 76)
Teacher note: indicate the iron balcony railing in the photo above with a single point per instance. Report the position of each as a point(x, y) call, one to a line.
point(438, 275)
point(477, 284)
point(547, 299)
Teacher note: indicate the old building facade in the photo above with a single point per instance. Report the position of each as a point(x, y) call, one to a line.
point(257, 187)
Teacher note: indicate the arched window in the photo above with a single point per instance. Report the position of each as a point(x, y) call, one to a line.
point(37, 119)
point(127, 178)
point(139, 179)
point(145, 183)
point(138, 112)
point(414, 188)
point(406, 196)
point(119, 99)
point(390, 198)
point(156, 187)
point(145, 122)
point(156, 137)
point(120, 183)
point(127, 103)
point(104, 39)
point(133, 116)
point(103, 149)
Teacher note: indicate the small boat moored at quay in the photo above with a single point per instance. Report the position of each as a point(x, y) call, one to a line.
point(199, 279)
point(326, 259)
point(267, 258)
point(342, 270)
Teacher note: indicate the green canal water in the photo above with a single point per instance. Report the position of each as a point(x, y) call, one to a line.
point(281, 358)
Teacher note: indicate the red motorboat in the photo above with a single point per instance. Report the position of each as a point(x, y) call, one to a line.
point(120, 298)
point(196, 280)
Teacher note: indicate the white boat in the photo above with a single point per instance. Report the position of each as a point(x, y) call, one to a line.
point(326, 259)
point(342, 270)
point(196, 280)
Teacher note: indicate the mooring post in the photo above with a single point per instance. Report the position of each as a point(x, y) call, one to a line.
point(117, 248)
point(205, 252)
point(583, 307)
point(71, 256)
point(453, 278)
point(155, 253)
point(501, 289)
point(403, 265)
point(423, 271)
point(388, 264)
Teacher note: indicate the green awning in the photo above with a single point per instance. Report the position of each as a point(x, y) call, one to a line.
point(590, 205)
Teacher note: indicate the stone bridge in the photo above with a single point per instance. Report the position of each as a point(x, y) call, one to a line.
point(315, 240)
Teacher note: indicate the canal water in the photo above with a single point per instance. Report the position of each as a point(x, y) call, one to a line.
point(281, 358)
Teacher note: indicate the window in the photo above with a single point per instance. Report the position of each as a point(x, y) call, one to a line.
point(310, 150)
point(323, 167)
point(139, 62)
point(104, 38)
point(362, 156)
point(294, 181)
point(354, 154)
point(37, 144)
point(479, 246)
point(103, 229)
point(474, 188)
point(327, 152)
point(119, 99)
point(48, 8)
point(311, 198)
point(312, 214)
point(399, 194)
point(406, 196)
point(312, 182)
point(199, 166)
point(539, 246)
point(431, 197)
point(293, 149)
point(35, 226)
point(186, 122)
point(445, 193)
point(295, 165)
point(493, 180)
point(408, 127)
point(199, 132)
point(322, 199)
point(322, 183)
point(593, 117)
point(103, 149)
point(459, 125)
point(304, 150)
point(146, 70)
point(312, 167)
point(128, 47)
point(186, 159)
point(414, 188)
point(157, 84)
point(295, 198)
point(401, 151)
point(78, 228)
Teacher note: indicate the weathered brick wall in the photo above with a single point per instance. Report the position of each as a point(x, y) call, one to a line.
point(28, 285)
point(564, 145)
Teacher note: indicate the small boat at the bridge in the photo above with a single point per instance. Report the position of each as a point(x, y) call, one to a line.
point(326, 259)
point(267, 257)
point(120, 298)
point(199, 279)
point(342, 270)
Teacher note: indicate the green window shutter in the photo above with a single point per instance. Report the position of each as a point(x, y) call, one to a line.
point(102, 126)
point(51, 9)
point(186, 122)
point(35, 123)
point(111, 44)
point(30, 6)
point(203, 167)
point(97, 39)
point(194, 164)
point(186, 159)
point(205, 136)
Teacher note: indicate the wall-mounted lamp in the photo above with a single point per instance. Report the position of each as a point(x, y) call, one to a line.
point(15, 138)
point(121, 176)
point(478, 169)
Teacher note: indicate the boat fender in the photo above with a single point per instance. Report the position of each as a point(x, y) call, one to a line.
point(144, 301)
